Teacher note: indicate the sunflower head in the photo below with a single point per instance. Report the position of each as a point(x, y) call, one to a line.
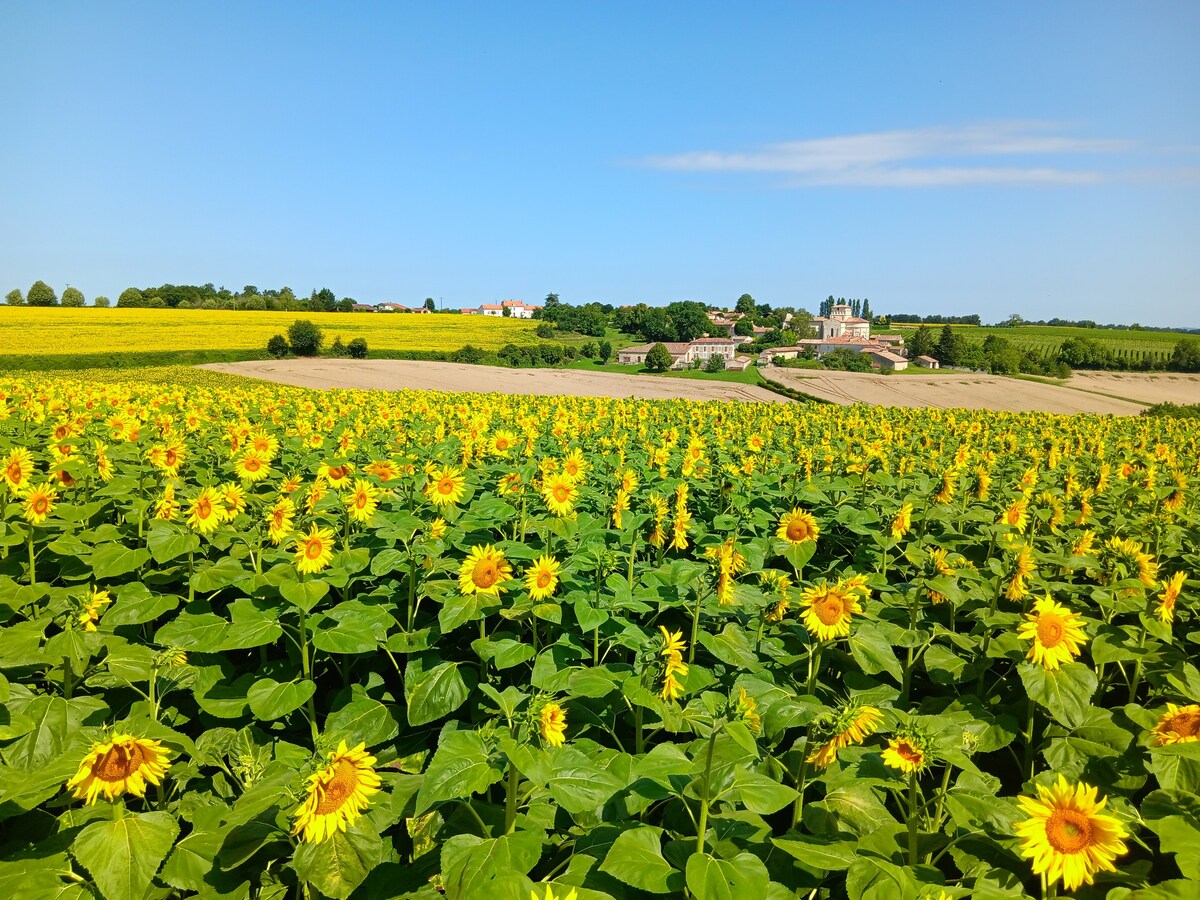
point(797, 527)
point(541, 579)
point(122, 764)
point(1056, 632)
point(314, 551)
point(909, 750)
point(1068, 836)
point(1178, 725)
point(552, 724)
point(484, 571)
point(337, 795)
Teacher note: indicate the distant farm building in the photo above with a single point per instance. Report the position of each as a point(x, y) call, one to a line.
point(926, 362)
point(683, 354)
point(517, 309)
point(840, 322)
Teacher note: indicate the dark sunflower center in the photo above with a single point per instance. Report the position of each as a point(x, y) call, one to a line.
point(119, 763)
point(1186, 724)
point(445, 486)
point(1069, 831)
point(1049, 630)
point(797, 530)
point(339, 789)
point(40, 505)
point(313, 548)
point(908, 752)
point(485, 574)
point(830, 609)
point(203, 509)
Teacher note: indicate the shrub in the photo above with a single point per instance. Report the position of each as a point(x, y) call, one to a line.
point(545, 330)
point(715, 363)
point(72, 296)
point(278, 346)
point(102, 302)
point(156, 302)
point(337, 348)
point(659, 358)
point(305, 338)
point(131, 297)
point(588, 349)
point(468, 354)
point(357, 349)
point(605, 351)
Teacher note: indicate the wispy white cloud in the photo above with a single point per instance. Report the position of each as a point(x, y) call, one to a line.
point(923, 157)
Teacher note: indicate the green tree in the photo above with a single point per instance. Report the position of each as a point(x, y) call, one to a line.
point(102, 302)
point(715, 363)
point(1186, 356)
point(922, 343)
point(41, 294)
point(132, 297)
point(689, 320)
point(73, 296)
point(156, 302)
point(506, 312)
point(15, 297)
point(429, 305)
point(746, 305)
point(655, 325)
point(744, 327)
point(949, 347)
point(659, 358)
point(305, 338)
point(866, 309)
point(551, 301)
point(605, 351)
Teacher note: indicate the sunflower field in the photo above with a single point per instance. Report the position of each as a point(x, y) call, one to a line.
point(261, 642)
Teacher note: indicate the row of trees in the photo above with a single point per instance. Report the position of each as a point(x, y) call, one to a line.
point(41, 294)
point(860, 308)
point(191, 296)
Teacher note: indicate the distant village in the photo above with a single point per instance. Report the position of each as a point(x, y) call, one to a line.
point(839, 330)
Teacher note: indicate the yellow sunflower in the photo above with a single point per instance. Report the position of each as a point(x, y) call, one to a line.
point(797, 527)
point(122, 764)
point(1170, 593)
point(1056, 632)
point(314, 550)
point(445, 486)
point(903, 522)
point(908, 752)
point(1067, 836)
point(1178, 725)
point(279, 520)
point(337, 795)
point(574, 466)
point(483, 571)
point(550, 895)
point(552, 723)
point(335, 476)
point(39, 503)
point(1023, 569)
point(560, 493)
point(204, 514)
point(673, 641)
point(91, 610)
point(362, 502)
point(17, 469)
point(852, 724)
point(252, 466)
point(830, 607)
point(541, 579)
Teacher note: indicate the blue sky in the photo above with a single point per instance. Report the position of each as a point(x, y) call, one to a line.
point(935, 158)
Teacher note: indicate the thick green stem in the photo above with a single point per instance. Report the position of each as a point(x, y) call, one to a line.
point(695, 627)
point(814, 666)
point(510, 798)
point(702, 824)
point(912, 819)
point(638, 738)
point(32, 559)
point(1030, 722)
point(310, 708)
point(68, 677)
point(801, 784)
point(941, 800)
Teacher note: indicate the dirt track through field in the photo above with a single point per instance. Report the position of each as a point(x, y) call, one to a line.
point(397, 374)
point(950, 390)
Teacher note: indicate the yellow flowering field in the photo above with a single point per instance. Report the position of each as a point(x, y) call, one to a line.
point(262, 642)
point(57, 331)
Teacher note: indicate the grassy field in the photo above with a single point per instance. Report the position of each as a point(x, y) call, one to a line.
point(1131, 347)
point(206, 336)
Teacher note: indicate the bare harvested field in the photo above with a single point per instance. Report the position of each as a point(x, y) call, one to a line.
point(397, 374)
point(947, 390)
point(1157, 387)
